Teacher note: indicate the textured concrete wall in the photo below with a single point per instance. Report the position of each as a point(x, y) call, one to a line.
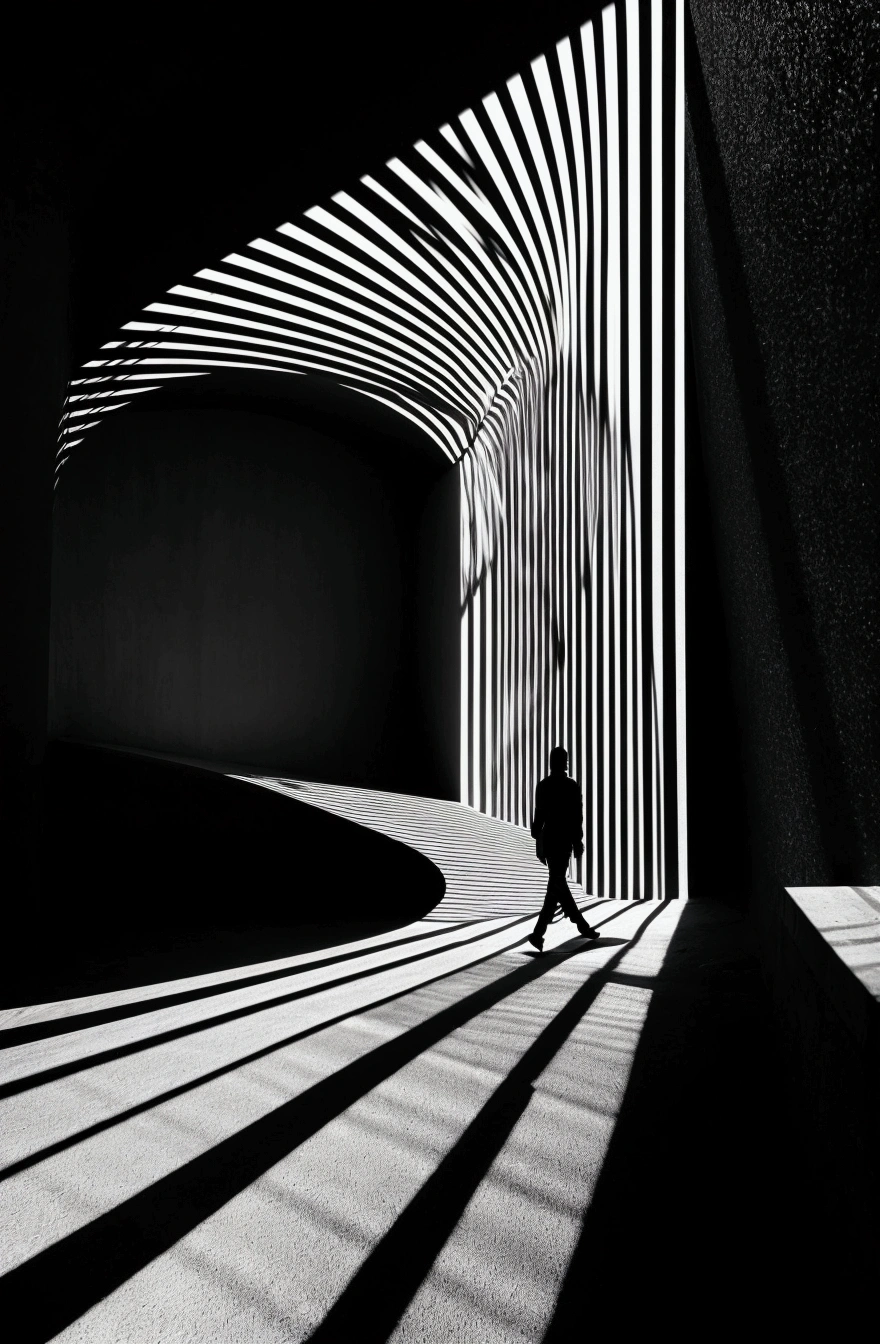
point(783, 276)
point(783, 217)
point(234, 586)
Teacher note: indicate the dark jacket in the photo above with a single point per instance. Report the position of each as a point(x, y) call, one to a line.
point(558, 823)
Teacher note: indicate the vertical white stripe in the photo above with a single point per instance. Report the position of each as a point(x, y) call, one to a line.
point(476, 698)
point(679, 540)
point(635, 374)
point(596, 449)
point(615, 518)
point(657, 417)
point(489, 617)
point(466, 687)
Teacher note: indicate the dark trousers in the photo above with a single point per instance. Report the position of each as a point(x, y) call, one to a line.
point(558, 894)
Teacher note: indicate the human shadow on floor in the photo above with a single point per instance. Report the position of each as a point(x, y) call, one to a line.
point(570, 949)
point(575, 944)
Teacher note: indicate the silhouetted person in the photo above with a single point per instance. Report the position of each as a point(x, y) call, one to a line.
point(558, 829)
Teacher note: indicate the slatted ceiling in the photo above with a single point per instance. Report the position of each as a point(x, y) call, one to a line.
point(509, 286)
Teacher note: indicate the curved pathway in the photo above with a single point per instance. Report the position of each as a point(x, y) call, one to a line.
point(489, 865)
point(392, 1138)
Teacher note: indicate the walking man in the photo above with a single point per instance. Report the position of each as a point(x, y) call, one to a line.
point(557, 829)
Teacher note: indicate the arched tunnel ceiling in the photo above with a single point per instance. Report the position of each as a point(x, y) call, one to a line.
point(176, 139)
point(429, 288)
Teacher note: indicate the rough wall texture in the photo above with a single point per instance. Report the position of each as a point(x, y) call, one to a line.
point(236, 587)
point(783, 276)
point(783, 246)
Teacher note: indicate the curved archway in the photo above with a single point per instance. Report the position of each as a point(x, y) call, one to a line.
point(512, 286)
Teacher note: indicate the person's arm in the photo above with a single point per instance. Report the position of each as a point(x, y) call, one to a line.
point(578, 826)
point(538, 815)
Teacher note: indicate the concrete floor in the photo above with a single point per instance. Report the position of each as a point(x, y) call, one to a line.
point(432, 1134)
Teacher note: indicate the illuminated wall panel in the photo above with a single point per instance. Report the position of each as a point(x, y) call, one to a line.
point(513, 286)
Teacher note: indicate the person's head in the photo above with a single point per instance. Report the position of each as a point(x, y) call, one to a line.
point(558, 761)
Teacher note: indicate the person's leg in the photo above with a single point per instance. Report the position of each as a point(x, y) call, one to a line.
point(558, 873)
point(547, 911)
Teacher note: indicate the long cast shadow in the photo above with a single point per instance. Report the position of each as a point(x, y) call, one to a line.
point(374, 1301)
point(18, 1085)
point(703, 1182)
point(97, 1017)
point(55, 1287)
point(100, 1126)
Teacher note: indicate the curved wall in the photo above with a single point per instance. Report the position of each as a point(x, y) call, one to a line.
point(236, 587)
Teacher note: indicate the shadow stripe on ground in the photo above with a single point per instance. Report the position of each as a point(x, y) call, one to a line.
point(59, 1284)
point(100, 1126)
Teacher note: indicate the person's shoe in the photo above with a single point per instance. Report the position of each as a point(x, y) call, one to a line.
point(586, 932)
point(536, 941)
